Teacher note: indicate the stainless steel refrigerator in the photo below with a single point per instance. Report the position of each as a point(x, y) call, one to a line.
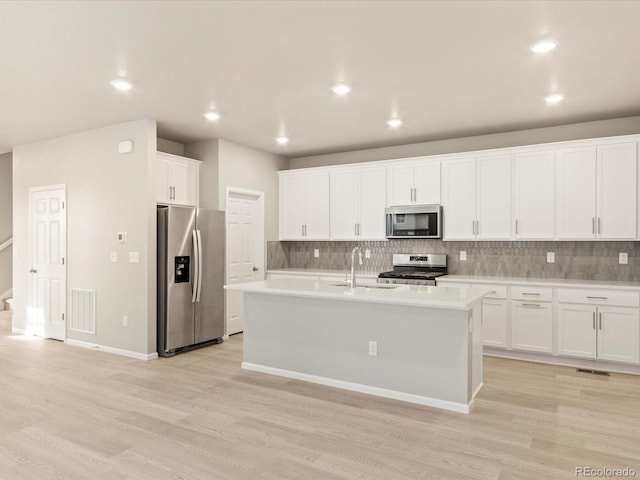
point(190, 278)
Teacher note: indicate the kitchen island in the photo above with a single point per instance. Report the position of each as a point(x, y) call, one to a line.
point(416, 344)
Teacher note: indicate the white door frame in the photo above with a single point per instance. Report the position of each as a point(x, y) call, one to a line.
point(259, 196)
point(30, 327)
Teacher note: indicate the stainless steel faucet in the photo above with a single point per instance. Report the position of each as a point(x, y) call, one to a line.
point(353, 264)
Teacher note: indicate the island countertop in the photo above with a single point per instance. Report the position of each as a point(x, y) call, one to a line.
point(425, 296)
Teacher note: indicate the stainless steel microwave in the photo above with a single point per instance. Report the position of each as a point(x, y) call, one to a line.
point(414, 221)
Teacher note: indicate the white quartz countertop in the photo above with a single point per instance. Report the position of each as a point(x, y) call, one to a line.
point(547, 282)
point(317, 272)
point(422, 296)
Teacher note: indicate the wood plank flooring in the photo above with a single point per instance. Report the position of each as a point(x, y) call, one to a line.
point(72, 413)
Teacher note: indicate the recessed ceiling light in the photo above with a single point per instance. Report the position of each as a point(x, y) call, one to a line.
point(394, 122)
point(282, 140)
point(121, 84)
point(341, 89)
point(213, 116)
point(543, 46)
point(555, 98)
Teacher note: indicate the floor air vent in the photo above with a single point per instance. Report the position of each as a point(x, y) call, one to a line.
point(83, 310)
point(593, 372)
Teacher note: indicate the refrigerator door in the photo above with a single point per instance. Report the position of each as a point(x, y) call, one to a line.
point(210, 307)
point(179, 325)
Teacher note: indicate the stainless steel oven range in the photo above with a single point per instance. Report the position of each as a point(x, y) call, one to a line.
point(415, 269)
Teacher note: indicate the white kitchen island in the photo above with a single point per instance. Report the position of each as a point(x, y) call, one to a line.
point(427, 350)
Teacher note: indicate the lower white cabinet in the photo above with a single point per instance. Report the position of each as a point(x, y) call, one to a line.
point(599, 332)
point(495, 319)
point(532, 326)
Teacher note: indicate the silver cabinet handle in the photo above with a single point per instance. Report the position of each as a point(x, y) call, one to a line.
point(598, 298)
point(473, 227)
point(531, 294)
point(593, 225)
point(355, 229)
point(535, 305)
point(600, 320)
point(169, 192)
point(594, 320)
point(33, 270)
point(302, 230)
point(358, 226)
point(255, 269)
point(598, 225)
point(477, 227)
point(516, 226)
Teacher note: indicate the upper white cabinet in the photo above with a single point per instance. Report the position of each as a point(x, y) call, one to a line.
point(358, 203)
point(177, 180)
point(477, 198)
point(597, 192)
point(413, 182)
point(533, 195)
point(304, 206)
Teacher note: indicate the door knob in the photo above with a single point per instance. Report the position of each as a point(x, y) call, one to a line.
point(33, 270)
point(255, 269)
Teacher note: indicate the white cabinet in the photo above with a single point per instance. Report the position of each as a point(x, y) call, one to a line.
point(477, 198)
point(304, 206)
point(597, 188)
point(495, 318)
point(532, 326)
point(605, 327)
point(533, 195)
point(177, 180)
point(413, 182)
point(358, 203)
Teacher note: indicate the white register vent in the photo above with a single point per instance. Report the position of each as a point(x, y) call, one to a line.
point(83, 310)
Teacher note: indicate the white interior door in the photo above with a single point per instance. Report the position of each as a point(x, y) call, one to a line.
point(48, 271)
point(245, 249)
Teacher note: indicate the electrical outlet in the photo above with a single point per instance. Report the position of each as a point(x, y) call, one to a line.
point(367, 253)
point(623, 258)
point(316, 253)
point(113, 257)
point(463, 255)
point(134, 257)
point(551, 257)
point(125, 321)
point(373, 348)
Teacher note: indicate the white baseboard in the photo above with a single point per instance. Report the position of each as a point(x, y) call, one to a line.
point(116, 351)
point(357, 387)
point(19, 331)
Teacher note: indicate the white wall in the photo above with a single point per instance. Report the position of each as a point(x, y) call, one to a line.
point(602, 128)
point(207, 152)
point(106, 193)
point(6, 226)
point(246, 167)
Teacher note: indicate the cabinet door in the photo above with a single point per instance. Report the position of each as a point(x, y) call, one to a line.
point(372, 188)
point(316, 199)
point(184, 178)
point(400, 184)
point(577, 330)
point(163, 180)
point(493, 204)
point(531, 327)
point(533, 195)
point(459, 210)
point(291, 212)
point(494, 323)
point(576, 174)
point(427, 183)
point(617, 190)
point(344, 204)
point(619, 334)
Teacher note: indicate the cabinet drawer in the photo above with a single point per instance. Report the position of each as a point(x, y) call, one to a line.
point(495, 291)
point(442, 283)
point(539, 294)
point(622, 298)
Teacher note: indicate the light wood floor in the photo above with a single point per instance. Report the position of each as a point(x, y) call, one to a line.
point(71, 413)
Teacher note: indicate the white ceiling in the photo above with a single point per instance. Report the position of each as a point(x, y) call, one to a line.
point(448, 69)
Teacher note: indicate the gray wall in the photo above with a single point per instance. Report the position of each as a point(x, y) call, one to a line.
point(167, 146)
point(575, 260)
point(106, 193)
point(207, 152)
point(6, 225)
point(602, 128)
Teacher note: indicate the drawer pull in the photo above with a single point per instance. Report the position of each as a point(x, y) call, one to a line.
point(535, 305)
point(597, 298)
point(493, 291)
point(527, 293)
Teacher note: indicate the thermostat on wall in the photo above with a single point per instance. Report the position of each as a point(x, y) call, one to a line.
point(126, 146)
point(122, 237)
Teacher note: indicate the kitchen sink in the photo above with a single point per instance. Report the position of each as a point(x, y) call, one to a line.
point(379, 285)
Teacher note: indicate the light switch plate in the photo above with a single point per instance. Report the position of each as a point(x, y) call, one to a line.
point(113, 257)
point(134, 257)
point(367, 253)
point(463, 255)
point(373, 348)
point(551, 257)
point(623, 258)
point(316, 253)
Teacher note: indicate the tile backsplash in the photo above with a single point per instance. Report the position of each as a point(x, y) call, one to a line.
point(575, 260)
